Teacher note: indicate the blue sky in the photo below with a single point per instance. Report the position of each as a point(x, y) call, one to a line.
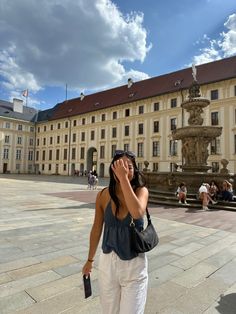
point(92, 45)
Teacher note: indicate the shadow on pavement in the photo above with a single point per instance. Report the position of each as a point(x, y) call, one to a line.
point(227, 304)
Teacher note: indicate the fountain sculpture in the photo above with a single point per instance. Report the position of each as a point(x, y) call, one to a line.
point(195, 138)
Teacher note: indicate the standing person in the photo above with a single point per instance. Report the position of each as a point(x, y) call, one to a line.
point(123, 275)
point(182, 193)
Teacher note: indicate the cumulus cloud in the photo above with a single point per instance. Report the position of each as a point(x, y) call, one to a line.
point(224, 47)
point(83, 43)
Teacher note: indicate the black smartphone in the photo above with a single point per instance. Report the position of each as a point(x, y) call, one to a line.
point(87, 286)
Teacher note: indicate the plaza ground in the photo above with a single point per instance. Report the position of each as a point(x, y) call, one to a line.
point(44, 229)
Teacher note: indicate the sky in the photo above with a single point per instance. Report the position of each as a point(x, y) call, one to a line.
point(58, 49)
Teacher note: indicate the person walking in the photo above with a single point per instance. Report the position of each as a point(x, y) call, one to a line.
point(122, 273)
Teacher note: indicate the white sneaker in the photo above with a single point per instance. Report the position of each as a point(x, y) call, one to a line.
point(186, 203)
point(180, 202)
point(205, 208)
point(213, 202)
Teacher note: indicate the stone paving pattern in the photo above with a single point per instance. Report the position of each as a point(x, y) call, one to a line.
point(44, 231)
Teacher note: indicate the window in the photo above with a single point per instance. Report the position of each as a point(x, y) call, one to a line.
point(140, 150)
point(126, 112)
point(5, 153)
point(7, 125)
point(51, 127)
point(140, 109)
point(44, 155)
point(156, 106)
point(82, 136)
point(31, 129)
point(215, 167)
point(82, 152)
point(214, 94)
point(74, 123)
point(215, 146)
point(73, 153)
point(173, 147)
point(7, 139)
point(19, 140)
point(64, 167)
point(51, 140)
point(66, 124)
point(65, 154)
point(45, 128)
point(38, 129)
point(31, 141)
point(113, 149)
point(235, 143)
point(20, 127)
point(92, 135)
point(235, 90)
point(57, 154)
point(173, 124)
point(214, 118)
point(37, 155)
point(92, 119)
point(173, 103)
point(155, 167)
point(58, 125)
point(114, 115)
point(103, 117)
point(44, 141)
point(126, 130)
point(74, 137)
point(140, 166)
point(155, 148)
point(140, 128)
point(66, 138)
point(50, 155)
point(102, 151)
point(43, 167)
point(83, 121)
point(113, 132)
point(58, 139)
point(18, 167)
point(49, 167)
point(18, 154)
point(30, 155)
point(126, 147)
point(37, 141)
point(102, 133)
point(155, 126)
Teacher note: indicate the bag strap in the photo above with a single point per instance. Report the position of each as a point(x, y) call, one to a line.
point(147, 215)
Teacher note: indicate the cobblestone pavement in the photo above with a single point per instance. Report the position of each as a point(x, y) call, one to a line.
point(44, 230)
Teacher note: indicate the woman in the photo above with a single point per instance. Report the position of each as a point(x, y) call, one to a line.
point(123, 276)
point(227, 191)
point(204, 196)
point(182, 193)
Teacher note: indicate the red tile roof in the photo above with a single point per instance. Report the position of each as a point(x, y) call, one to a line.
point(206, 73)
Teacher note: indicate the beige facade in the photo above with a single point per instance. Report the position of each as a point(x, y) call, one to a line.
point(88, 141)
point(17, 138)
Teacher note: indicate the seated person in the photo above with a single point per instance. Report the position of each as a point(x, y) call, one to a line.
point(227, 191)
point(213, 190)
point(182, 193)
point(204, 196)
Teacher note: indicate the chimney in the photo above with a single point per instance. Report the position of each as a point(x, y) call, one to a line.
point(130, 82)
point(17, 105)
point(81, 96)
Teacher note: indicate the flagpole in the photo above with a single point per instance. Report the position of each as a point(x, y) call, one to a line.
point(66, 91)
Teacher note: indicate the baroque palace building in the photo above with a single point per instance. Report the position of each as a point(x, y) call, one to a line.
point(83, 133)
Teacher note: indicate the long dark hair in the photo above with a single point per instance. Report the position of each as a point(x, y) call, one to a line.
point(137, 181)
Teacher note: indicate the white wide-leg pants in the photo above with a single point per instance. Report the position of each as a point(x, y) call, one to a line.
point(122, 284)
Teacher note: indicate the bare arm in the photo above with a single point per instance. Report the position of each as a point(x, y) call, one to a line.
point(136, 202)
point(95, 235)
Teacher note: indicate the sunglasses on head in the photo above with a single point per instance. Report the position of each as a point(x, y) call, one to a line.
point(124, 153)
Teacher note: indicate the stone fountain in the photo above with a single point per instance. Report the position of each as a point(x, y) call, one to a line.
point(195, 138)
